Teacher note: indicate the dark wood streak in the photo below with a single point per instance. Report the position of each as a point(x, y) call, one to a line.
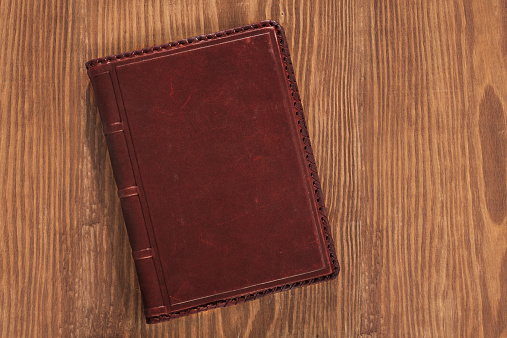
point(493, 133)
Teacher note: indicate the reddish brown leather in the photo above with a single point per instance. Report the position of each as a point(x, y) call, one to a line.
point(214, 168)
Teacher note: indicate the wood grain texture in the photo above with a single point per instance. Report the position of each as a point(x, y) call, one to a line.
point(406, 105)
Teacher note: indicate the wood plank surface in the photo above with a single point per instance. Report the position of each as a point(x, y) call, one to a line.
point(406, 107)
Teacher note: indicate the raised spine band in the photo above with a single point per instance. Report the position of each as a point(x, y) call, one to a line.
point(128, 191)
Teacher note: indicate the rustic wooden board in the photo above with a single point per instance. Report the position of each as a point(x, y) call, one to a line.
point(406, 107)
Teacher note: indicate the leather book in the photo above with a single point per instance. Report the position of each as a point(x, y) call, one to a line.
point(214, 168)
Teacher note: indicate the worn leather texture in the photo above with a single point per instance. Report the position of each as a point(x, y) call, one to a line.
point(214, 168)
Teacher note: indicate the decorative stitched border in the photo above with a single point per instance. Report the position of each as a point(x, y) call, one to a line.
point(311, 169)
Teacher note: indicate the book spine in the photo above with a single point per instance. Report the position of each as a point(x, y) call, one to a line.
point(128, 191)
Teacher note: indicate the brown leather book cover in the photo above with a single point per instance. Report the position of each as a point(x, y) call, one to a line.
point(214, 168)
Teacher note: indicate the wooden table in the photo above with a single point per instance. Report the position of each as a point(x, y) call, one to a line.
point(406, 105)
